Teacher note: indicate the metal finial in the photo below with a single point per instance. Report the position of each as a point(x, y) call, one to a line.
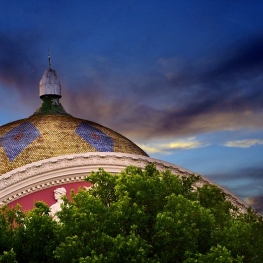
point(49, 59)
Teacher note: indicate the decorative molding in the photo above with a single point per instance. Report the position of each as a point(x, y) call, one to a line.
point(73, 168)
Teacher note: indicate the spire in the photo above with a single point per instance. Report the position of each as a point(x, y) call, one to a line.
point(50, 93)
point(49, 58)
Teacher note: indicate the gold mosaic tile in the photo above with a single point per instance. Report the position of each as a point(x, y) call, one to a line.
point(54, 135)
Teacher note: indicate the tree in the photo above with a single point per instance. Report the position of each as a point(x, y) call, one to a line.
point(135, 216)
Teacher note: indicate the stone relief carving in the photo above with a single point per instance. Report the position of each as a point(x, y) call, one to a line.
point(58, 194)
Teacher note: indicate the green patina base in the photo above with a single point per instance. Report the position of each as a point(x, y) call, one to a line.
point(51, 106)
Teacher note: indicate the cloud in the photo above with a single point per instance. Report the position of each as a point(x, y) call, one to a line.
point(256, 202)
point(246, 56)
point(183, 145)
point(172, 99)
point(254, 173)
point(177, 98)
point(245, 182)
point(243, 143)
point(172, 146)
point(141, 122)
point(151, 148)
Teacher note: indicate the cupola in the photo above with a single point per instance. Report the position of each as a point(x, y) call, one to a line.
point(50, 84)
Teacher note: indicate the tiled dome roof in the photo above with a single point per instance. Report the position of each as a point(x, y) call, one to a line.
point(44, 136)
point(51, 132)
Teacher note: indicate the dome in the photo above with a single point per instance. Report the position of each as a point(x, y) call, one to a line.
point(53, 149)
point(52, 132)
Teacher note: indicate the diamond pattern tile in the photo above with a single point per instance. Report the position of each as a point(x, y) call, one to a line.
point(95, 137)
point(46, 136)
point(16, 140)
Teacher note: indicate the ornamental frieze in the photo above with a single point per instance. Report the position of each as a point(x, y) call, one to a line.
point(74, 168)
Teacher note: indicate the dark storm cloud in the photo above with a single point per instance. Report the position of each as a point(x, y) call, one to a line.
point(231, 81)
point(219, 95)
point(226, 75)
point(246, 183)
point(243, 59)
point(201, 97)
point(144, 123)
point(241, 181)
point(251, 173)
point(174, 98)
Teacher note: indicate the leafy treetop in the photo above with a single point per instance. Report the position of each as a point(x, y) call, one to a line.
point(135, 216)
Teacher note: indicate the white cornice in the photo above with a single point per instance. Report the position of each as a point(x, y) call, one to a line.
point(73, 168)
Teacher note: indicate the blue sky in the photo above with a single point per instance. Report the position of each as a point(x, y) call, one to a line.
point(183, 79)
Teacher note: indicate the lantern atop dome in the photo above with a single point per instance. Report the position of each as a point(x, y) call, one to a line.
point(50, 84)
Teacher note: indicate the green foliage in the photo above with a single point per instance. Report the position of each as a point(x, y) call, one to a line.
point(216, 255)
point(8, 257)
point(135, 216)
point(31, 237)
point(181, 227)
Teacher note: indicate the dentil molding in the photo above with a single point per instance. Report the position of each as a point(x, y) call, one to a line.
point(75, 167)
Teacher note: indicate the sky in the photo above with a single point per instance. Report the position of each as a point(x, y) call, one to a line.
point(182, 79)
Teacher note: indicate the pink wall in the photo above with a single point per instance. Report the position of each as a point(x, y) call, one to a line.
point(46, 195)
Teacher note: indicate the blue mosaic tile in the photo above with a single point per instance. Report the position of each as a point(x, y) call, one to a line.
point(95, 137)
point(16, 140)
